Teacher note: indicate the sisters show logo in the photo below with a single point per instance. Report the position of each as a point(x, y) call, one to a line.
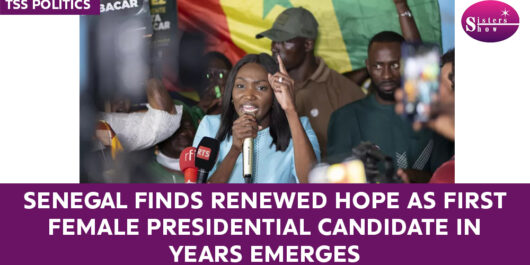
point(490, 21)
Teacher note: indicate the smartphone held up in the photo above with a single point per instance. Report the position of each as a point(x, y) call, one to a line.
point(421, 74)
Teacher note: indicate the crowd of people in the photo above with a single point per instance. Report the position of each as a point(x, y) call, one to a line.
point(298, 111)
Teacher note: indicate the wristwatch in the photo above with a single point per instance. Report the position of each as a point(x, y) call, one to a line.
point(406, 14)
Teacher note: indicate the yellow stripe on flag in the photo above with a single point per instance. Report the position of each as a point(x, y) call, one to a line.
point(245, 20)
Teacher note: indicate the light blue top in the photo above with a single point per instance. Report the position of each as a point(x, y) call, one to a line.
point(270, 166)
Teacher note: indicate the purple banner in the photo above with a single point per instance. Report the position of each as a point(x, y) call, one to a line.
point(197, 224)
point(50, 7)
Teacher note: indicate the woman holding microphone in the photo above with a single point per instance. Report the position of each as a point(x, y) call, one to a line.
point(258, 103)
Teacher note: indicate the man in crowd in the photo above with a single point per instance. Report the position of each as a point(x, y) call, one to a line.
point(218, 68)
point(410, 33)
point(164, 166)
point(319, 90)
point(374, 118)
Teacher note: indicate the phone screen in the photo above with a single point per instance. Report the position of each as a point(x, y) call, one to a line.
point(420, 75)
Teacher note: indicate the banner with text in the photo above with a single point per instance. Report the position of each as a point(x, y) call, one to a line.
point(197, 224)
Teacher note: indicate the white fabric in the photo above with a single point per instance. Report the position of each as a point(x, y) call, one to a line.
point(168, 162)
point(141, 130)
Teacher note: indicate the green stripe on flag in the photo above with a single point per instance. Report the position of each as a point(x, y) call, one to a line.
point(359, 20)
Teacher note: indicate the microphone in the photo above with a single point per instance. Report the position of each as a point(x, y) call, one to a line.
point(248, 151)
point(187, 164)
point(205, 157)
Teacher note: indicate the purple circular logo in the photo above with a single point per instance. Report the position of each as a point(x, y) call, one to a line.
point(490, 21)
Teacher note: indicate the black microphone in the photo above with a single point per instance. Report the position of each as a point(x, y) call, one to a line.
point(205, 157)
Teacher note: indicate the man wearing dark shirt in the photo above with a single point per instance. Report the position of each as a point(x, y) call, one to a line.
point(374, 119)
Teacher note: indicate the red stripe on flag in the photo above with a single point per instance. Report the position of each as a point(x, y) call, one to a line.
point(208, 16)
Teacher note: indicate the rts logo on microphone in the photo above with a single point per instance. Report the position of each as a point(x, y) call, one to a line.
point(490, 21)
point(204, 152)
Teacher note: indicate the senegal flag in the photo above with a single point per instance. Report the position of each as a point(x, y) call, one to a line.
point(345, 26)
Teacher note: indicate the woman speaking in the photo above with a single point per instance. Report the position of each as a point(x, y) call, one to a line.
point(258, 103)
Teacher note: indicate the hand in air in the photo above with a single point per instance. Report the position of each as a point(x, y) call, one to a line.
point(283, 87)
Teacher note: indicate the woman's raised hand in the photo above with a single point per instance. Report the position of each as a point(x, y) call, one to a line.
point(283, 87)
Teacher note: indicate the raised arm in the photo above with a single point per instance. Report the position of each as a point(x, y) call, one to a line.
point(304, 155)
point(158, 97)
point(406, 21)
